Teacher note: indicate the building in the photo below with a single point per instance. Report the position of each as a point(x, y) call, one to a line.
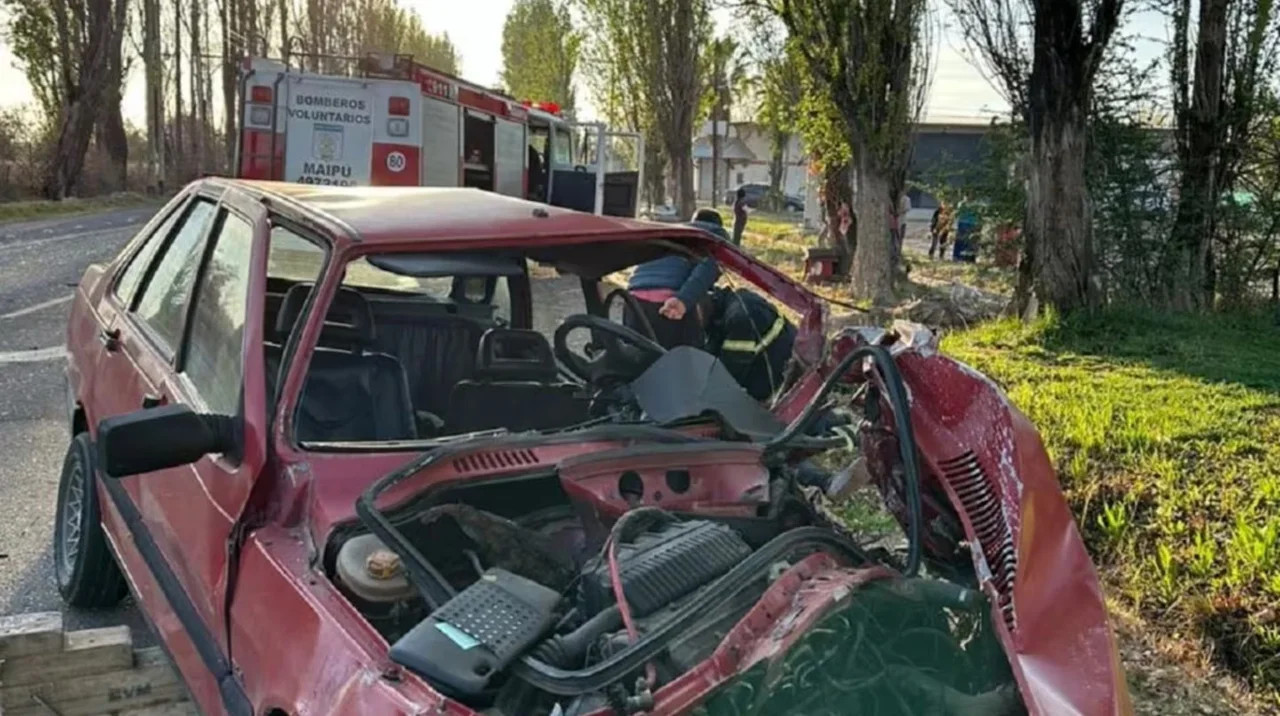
point(745, 151)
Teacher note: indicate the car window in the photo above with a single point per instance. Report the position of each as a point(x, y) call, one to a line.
point(164, 298)
point(292, 257)
point(213, 359)
point(561, 147)
point(489, 296)
point(137, 268)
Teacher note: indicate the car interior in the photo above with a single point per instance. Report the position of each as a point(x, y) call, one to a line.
point(419, 346)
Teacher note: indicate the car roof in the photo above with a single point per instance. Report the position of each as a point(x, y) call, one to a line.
point(398, 214)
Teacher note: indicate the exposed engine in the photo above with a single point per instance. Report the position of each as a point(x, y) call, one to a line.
point(540, 585)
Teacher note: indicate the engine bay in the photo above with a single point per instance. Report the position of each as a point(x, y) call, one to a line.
point(536, 562)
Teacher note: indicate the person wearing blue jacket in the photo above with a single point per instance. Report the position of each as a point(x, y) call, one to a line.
point(674, 289)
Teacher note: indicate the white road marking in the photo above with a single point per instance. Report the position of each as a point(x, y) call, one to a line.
point(34, 356)
point(63, 237)
point(38, 307)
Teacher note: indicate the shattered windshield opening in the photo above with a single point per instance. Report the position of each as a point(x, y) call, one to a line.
point(422, 348)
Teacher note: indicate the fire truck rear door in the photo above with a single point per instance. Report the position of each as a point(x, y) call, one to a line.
point(441, 142)
point(510, 153)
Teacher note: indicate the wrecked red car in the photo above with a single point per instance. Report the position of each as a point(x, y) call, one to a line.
point(388, 451)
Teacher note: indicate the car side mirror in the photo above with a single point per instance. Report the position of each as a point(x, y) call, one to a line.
point(159, 438)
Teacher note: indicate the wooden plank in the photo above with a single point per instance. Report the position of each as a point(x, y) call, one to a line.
point(150, 682)
point(36, 633)
point(86, 652)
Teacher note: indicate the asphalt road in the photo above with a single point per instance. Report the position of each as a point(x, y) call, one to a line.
point(40, 262)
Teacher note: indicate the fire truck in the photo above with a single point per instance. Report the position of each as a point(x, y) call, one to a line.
point(392, 121)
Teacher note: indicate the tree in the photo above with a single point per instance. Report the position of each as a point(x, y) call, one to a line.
point(727, 76)
point(71, 53)
point(781, 91)
point(1216, 112)
point(540, 51)
point(102, 22)
point(647, 52)
point(1049, 82)
point(872, 59)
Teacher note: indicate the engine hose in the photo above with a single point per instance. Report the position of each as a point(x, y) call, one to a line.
point(568, 649)
point(897, 395)
point(597, 677)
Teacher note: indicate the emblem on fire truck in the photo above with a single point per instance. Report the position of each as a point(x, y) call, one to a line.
point(326, 142)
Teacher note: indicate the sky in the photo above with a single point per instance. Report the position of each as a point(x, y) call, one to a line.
point(959, 90)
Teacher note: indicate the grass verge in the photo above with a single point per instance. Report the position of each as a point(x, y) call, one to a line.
point(37, 209)
point(1166, 434)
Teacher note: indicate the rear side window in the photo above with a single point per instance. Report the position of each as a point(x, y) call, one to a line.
point(292, 257)
point(164, 299)
point(213, 360)
point(132, 276)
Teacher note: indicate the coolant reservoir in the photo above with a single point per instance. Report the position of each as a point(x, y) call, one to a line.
point(371, 572)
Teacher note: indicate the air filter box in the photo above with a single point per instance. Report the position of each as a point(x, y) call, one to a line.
point(663, 565)
point(473, 637)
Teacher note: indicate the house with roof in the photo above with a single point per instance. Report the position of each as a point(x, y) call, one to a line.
point(745, 151)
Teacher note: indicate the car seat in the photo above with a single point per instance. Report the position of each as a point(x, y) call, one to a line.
point(351, 393)
point(516, 386)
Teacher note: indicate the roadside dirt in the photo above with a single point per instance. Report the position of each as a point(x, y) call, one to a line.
point(1172, 677)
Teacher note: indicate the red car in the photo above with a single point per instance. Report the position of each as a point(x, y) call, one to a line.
point(384, 451)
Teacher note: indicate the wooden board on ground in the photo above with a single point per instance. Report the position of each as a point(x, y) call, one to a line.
point(46, 671)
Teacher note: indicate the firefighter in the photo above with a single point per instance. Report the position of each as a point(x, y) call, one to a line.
point(751, 339)
point(672, 291)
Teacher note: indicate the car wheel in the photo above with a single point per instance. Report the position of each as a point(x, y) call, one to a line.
point(87, 573)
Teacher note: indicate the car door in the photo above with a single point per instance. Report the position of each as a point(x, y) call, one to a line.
point(184, 337)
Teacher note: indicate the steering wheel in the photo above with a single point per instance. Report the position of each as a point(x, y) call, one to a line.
point(621, 354)
point(634, 304)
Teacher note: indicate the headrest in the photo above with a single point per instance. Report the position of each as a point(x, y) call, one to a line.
point(513, 354)
point(348, 322)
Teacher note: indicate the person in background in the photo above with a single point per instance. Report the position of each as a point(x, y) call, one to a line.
point(739, 216)
point(939, 230)
point(672, 291)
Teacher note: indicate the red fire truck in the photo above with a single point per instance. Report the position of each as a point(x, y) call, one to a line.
point(395, 122)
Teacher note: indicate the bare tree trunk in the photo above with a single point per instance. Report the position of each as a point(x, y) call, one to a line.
point(872, 274)
point(155, 94)
point(103, 20)
point(1186, 272)
point(837, 190)
point(284, 28)
point(1059, 216)
point(111, 134)
point(197, 89)
point(1058, 237)
point(178, 144)
point(230, 78)
point(715, 151)
point(777, 150)
point(679, 149)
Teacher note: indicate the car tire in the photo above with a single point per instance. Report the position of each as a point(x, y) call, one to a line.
point(85, 569)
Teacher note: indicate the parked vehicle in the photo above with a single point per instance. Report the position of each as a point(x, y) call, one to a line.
point(757, 193)
point(391, 121)
point(352, 456)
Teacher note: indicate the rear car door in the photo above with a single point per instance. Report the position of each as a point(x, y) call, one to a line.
point(182, 334)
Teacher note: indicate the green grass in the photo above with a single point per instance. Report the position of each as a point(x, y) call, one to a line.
point(1166, 434)
point(37, 209)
